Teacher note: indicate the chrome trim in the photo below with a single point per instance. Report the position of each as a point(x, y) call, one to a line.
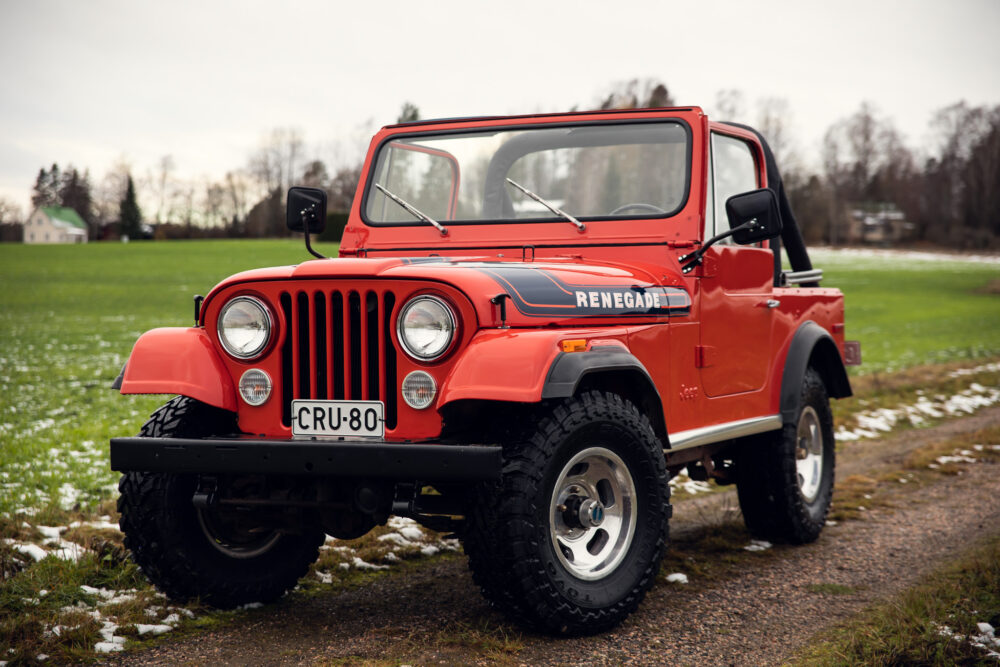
point(797, 277)
point(719, 432)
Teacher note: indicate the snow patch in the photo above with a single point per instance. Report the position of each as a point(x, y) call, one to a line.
point(363, 565)
point(875, 423)
point(677, 578)
point(758, 545)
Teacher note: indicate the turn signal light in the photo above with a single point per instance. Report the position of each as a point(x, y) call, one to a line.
point(575, 345)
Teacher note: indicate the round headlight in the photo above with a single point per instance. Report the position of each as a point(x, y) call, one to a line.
point(245, 327)
point(426, 327)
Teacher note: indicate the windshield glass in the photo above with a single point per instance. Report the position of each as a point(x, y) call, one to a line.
point(594, 171)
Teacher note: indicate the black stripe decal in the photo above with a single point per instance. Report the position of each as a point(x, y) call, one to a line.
point(538, 293)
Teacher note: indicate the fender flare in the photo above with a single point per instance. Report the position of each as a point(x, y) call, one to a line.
point(569, 369)
point(175, 360)
point(811, 345)
point(628, 375)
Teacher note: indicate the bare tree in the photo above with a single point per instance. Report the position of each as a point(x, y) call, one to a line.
point(315, 175)
point(213, 205)
point(636, 94)
point(111, 192)
point(10, 212)
point(237, 187)
point(729, 105)
point(773, 116)
point(343, 187)
point(273, 164)
point(162, 186)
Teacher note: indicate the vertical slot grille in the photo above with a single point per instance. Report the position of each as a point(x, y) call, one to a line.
point(338, 345)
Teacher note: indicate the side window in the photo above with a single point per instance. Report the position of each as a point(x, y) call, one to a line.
point(733, 171)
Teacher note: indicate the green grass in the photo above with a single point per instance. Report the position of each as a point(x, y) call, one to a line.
point(909, 629)
point(908, 312)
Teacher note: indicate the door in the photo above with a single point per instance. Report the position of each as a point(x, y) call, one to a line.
point(736, 287)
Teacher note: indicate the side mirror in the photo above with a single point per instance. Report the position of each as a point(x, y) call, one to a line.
point(306, 211)
point(753, 216)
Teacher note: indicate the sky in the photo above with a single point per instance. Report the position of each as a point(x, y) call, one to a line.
point(93, 83)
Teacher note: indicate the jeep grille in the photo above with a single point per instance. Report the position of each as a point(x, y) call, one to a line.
point(338, 345)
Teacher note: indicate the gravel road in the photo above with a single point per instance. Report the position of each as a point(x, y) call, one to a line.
point(755, 614)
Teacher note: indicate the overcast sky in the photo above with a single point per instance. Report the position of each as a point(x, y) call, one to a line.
point(92, 82)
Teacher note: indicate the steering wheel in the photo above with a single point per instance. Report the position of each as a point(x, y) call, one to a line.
point(638, 205)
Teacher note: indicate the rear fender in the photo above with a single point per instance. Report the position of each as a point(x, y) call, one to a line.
point(179, 361)
point(813, 346)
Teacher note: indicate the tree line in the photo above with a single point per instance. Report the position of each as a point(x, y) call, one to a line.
point(948, 192)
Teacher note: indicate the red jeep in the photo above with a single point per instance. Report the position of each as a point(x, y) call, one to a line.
point(534, 323)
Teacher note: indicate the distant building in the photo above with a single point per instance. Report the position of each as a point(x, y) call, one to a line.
point(55, 224)
point(879, 224)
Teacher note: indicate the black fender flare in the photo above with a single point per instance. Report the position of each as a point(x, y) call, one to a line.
point(812, 345)
point(569, 370)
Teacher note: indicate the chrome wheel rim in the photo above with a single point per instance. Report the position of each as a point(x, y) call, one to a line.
point(592, 513)
point(809, 454)
point(233, 542)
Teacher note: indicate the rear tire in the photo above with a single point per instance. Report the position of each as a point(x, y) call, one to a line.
point(189, 552)
point(785, 478)
point(572, 537)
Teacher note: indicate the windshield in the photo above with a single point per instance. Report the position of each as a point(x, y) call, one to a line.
point(588, 172)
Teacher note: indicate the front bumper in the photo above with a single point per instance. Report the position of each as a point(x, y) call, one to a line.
point(426, 462)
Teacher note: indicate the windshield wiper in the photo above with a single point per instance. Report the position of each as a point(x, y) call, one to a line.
point(559, 212)
point(413, 211)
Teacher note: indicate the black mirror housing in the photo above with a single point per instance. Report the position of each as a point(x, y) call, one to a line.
point(306, 206)
point(754, 216)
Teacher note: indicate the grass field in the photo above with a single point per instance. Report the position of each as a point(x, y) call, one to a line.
point(907, 310)
point(70, 314)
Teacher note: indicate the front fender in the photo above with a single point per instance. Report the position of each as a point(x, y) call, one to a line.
point(503, 365)
point(179, 361)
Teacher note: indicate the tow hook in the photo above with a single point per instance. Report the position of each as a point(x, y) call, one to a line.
point(207, 493)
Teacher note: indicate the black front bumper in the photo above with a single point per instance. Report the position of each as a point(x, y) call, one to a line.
point(426, 462)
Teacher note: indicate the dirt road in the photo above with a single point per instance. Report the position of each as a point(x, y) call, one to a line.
point(757, 608)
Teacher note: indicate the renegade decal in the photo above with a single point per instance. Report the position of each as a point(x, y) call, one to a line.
point(538, 293)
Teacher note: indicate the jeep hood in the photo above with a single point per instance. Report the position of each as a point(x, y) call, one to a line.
point(538, 293)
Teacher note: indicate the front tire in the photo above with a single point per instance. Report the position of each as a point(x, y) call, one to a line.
point(572, 537)
point(785, 479)
point(190, 552)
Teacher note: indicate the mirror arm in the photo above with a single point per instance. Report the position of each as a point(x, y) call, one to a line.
point(307, 215)
point(693, 259)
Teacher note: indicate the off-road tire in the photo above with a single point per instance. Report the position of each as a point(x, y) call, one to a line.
point(510, 546)
point(771, 498)
point(167, 541)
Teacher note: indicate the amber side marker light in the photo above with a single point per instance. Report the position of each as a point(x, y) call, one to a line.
point(575, 345)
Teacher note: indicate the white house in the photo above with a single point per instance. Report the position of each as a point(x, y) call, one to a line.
point(55, 224)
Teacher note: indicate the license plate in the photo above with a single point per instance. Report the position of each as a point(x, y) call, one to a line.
point(338, 418)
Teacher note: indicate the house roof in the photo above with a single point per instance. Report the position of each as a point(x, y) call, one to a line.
point(66, 215)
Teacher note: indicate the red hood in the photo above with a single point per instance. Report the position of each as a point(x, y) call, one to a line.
point(553, 291)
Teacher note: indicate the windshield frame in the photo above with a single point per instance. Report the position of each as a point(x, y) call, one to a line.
point(370, 176)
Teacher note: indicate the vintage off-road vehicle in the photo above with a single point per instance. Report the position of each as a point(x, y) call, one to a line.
point(534, 323)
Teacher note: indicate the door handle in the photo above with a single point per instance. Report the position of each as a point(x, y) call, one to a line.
point(770, 303)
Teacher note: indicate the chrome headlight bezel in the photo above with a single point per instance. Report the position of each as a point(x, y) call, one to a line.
point(266, 319)
point(450, 322)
